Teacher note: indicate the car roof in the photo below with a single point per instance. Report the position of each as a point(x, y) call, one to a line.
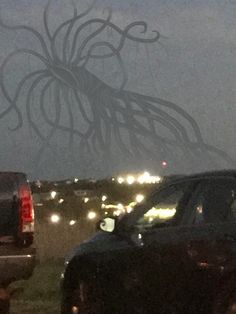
point(201, 175)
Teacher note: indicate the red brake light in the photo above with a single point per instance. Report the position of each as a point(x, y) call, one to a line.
point(26, 209)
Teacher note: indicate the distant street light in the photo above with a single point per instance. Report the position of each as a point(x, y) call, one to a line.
point(53, 194)
point(55, 218)
point(92, 215)
point(139, 198)
point(86, 199)
point(104, 197)
point(72, 222)
point(130, 179)
point(120, 180)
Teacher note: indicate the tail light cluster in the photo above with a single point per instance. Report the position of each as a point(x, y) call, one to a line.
point(26, 211)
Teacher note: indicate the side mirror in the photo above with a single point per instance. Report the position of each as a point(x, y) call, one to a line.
point(107, 224)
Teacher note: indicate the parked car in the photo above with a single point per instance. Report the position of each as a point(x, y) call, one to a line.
point(17, 254)
point(175, 253)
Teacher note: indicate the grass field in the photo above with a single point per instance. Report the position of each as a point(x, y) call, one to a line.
point(40, 294)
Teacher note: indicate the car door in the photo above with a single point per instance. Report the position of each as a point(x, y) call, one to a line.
point(212, 239)
point(162, 236)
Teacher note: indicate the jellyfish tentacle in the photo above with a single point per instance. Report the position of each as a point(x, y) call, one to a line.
point(107, 126)
point(31, 30)
point(134, 142)
point(94, 143)
point(114, 27)
point(130, 117)
point(70, 21)
point(146, 113)
point(122, 41)
point(164, 122)
point(27, 52)
point(48, 137)
point(28, 107)
point(81, 108)
point(116, 130)
point(66, 38)
point(90, 37)
point(219, 152)
point(66, 96)
point(17, 94)
point(97, 126)
point(176, 108)
point(7, 59)
point(54, 124)
point(118, 56)
point(11, 101)
point(138, 128)
point(45, 20)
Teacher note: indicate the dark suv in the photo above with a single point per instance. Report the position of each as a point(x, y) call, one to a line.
point(175, 253)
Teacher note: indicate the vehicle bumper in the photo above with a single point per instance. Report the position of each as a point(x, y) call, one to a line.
point(16, 264)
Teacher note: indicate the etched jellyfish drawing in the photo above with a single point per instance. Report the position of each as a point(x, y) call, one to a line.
point(112, 116)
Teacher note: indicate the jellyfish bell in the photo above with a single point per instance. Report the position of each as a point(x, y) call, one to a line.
point(64, 75)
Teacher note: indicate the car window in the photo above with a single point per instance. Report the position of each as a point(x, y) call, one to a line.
point(216, 202)
point(167, 205)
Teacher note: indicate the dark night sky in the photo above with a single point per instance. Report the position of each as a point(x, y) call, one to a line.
point(194, 66)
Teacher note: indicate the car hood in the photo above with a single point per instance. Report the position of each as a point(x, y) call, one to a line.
point(98, 243)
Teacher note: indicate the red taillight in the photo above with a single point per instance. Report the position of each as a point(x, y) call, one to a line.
point(26, 209)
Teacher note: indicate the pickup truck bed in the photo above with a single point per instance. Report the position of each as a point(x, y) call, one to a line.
point(17, 254)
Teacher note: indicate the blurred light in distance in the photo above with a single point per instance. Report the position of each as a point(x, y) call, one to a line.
point(104, 197)
point(53, 194)
point(139, 198)
point(117, 212)
point(38, 183)
point(75, 310)
point(109, 206)
point(161, 213)
point(130, 179)
point(120, 180)
point(147, 178)
point(120, 206)
point(129, 209)
point(55, 218)
point(86, 199)
point(76, 180)
point(92, 215)
point(164, 164)
point(72, 222)
point(61, 200)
